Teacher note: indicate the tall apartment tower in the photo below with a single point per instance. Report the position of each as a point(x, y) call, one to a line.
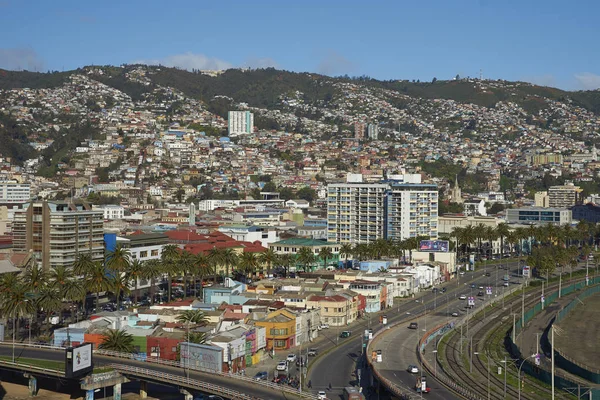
point(393, 209)
point(373, 131)
point(240, 123)
point(359, 130)
point(56, 233)
point(564, 196)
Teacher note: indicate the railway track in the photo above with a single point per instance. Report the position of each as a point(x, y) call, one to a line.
point(493, 326)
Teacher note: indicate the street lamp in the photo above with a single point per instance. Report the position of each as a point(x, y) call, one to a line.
point(519, 372)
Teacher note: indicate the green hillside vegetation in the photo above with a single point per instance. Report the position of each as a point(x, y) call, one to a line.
point(32, 80)
point(14, 140)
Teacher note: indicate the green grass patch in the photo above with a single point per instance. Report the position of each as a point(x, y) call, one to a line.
point(56, 365)
point(101, 370)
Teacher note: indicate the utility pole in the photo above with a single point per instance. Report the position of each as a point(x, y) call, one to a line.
point(471, 356)
point(514, 326)
point(505, 366)
point(543, 295)
point(552, 354)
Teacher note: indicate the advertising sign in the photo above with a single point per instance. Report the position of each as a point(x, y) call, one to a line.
point(471, 301)
point(488, 290)
point(472, 259)
point(543, 299)
point(201, 356)
point(526, 272)
point(78, 360)
point(434, 245)
point(537, 359)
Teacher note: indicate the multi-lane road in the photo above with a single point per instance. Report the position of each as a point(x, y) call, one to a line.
point(337, 367)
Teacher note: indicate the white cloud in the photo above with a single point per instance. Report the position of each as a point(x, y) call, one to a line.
point(588, 81)
point(20, 58)
point(189, 61)
point(334, 63)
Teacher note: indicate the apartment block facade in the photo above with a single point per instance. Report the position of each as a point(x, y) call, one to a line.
point(564, 196)
point(14, 193)
point(394, 210)
point(56, 232)
point(240, 122)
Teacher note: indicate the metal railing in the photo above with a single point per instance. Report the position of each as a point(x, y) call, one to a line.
point(177, 364)
point(33, 368)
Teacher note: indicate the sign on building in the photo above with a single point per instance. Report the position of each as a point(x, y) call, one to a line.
point(78, 360)
point(442, 246)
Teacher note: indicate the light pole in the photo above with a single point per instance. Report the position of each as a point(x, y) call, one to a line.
point(519, 373)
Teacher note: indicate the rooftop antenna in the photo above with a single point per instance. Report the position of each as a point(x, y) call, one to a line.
point(480, 74)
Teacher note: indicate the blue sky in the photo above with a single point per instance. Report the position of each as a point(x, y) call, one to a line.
point(551, 42)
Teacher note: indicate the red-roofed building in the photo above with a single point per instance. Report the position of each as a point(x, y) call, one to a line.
point(186, 237)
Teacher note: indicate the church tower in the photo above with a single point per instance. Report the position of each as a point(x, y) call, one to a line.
point(456, 194)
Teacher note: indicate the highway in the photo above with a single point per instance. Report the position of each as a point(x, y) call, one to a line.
point(241, 386)
point(336, 367)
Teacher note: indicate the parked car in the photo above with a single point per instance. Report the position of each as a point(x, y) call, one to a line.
point(413, 369)
point(321, 395)
point(435, 290)
point(345, 334)
point(427, 390)
point(324, 326)
point(291, 358)
point(461, 273)
point(312, 352)
point(282, 366)
point(261, 376)
point(413, 325)
point(463, 297)
point(455, 314)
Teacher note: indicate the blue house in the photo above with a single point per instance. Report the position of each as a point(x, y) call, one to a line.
point(231, 292)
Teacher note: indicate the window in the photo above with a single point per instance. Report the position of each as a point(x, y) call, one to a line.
point(144, 254)
point(154, 253)
point(326, 309)
point(279, 332)
point(279, 343)
point(174, 349)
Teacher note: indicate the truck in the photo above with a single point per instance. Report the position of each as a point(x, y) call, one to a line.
point(352, 393)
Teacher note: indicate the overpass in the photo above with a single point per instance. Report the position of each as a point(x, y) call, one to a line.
point(164, 372)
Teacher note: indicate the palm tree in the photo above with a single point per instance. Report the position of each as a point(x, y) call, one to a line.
point(202, 269)
point(229, 258)
point(286, 261)
point(346, 251)
point(480, 234)
point(215, 257)
point(325, 254)
point(117, 340)
point(380, 247)
point(195, 317)
point(119, 259)
point(186, 265)
point(136, 272)
point(119, 284)
point(196, 337)
point(152, 270)
point(97, 281)
point(268, 257)
point(35, 278)
point(83, 263)
point(306, 257)
point(49, 300)
point(16, 302)
point(169, 264)
point(248, 263)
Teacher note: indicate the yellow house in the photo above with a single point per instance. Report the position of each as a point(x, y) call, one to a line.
point(280, 326)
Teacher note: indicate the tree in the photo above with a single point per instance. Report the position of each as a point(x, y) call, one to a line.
point(15, 302)
point(229, 258)
point(434, 80)
point(346, 251)
point(169, 267)
point(202, 269)
point(97, 281)
point(306, 193)
point(306, 257)
point(118, 260)
point(35, 278)
point(186, 266)
point(48, 299)
point(325, 254)
point(247, 263)
point(83, 264)
point(117, 340)
point(151, 271)
point(286, 261)
point(457, 77)
point(179, 195)
point(135, 272)
point(215, 258)
point(268, 257)
point(119, 284)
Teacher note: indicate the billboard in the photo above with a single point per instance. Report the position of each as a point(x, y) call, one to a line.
point(526, 272)
point(442, 246)
point(78, 360)
point(201, 356)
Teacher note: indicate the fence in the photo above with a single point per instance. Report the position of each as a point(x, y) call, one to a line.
point(587, 372)
point(531, 368)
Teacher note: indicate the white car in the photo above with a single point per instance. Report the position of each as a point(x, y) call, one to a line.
point(463, 297)
point(282, 366)
point(413, 369)
point(321, 395)
point(324, 326)
point(291, 358)
point(455, 314)
point(506, 284)
point(462, 272)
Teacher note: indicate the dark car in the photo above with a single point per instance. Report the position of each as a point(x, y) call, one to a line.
point(480, 293)
point(261, 376)
point(312, 352)
point(413, 325)
point(487, 274)
point(443, 290)
point(473, 286)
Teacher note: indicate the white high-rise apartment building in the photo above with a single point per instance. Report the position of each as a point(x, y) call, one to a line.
point(240, 122)
point(14, 193)
point(393, 209)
